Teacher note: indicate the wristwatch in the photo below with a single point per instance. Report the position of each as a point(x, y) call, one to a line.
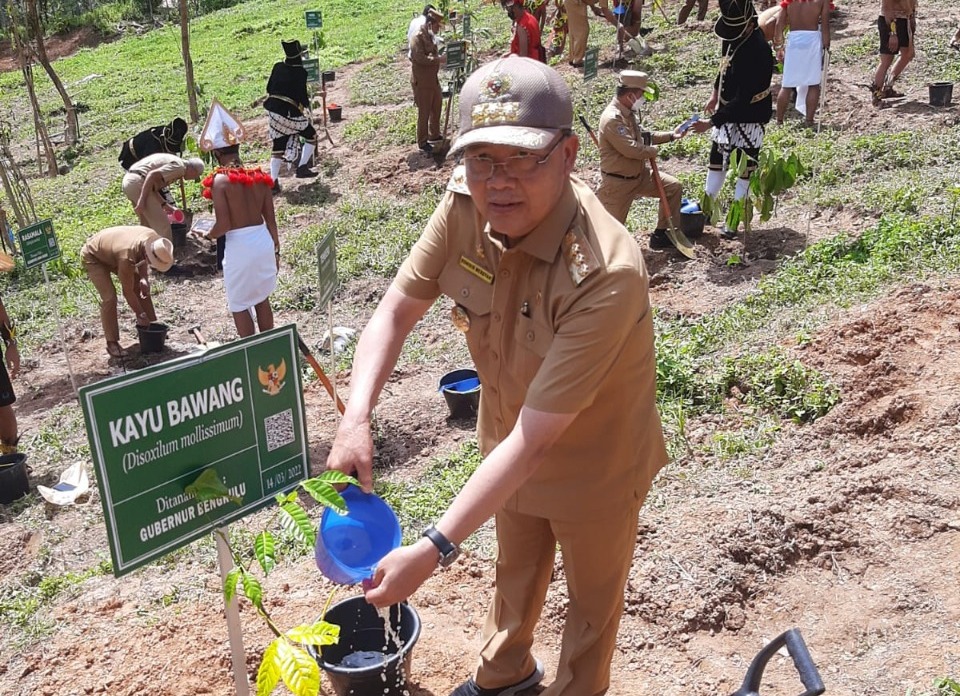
point(448, 550)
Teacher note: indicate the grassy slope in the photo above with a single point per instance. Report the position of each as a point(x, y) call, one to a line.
point(898, 173)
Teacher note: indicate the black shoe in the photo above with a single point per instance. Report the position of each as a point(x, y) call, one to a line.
point(644, 31)
point(470, 688)
point(660, 240)
point(426, 147)
point(276, 188)
point(304, 172)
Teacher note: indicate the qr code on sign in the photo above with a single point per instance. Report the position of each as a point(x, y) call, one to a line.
point(279, 428)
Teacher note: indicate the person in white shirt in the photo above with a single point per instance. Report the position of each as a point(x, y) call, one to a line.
point(416, 24)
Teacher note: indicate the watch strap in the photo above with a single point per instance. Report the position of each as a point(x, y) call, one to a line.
point(448, 550)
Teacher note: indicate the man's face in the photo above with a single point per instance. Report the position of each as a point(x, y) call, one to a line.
point(514, 205)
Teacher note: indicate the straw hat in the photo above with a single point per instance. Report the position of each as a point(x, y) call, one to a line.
point(159, 253)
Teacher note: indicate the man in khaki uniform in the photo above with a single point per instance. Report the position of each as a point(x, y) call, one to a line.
point(125, 251)
point(578, 28)
point(551, 294)
point(146, 178)
point(427, 95)
point(625, 151)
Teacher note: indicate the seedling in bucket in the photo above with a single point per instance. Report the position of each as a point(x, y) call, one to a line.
point(285, 657)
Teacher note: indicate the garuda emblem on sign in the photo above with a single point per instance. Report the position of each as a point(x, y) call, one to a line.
point(272, 377)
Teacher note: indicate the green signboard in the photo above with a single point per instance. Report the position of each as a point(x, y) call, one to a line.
point(455, 54)
point(237, 408)
point(314, 18)
point(327, 262)
point(38, 243)
point(312, 66)
point(590, 62)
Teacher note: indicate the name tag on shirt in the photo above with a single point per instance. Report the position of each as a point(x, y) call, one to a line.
point(476, 269)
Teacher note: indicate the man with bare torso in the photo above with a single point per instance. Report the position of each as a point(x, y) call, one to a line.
point(243, 205)
point(802, 55)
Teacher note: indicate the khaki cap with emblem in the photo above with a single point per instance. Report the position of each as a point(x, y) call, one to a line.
point(513, 101)
point(634, 79)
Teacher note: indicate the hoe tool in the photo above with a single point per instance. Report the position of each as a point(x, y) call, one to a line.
point(321, 375)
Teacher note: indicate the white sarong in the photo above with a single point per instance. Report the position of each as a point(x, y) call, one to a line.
point(802, 64)
point(249, 267)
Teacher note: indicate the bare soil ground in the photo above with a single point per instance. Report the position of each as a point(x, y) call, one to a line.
point(848, 529)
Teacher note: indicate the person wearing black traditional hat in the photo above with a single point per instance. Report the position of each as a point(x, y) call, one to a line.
point(740, 105)
point(626, 149)
point(288, 112)
point(168, 138)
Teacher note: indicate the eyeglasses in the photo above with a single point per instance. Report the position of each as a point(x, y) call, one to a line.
point(515, 166)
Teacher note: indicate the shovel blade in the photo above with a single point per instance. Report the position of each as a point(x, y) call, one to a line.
point(680, 241)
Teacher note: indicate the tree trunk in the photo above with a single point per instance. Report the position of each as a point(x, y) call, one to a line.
point(71, 130)
point(187, 61)
point(17, 40)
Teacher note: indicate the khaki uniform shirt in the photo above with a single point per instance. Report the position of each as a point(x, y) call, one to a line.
point(898, 9)
point(119, 249)
point(559, 322)
point(622, 151)
point(425, 58)
point(171, 167)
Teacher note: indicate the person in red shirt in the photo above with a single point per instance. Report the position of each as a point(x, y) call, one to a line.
point(526, 32)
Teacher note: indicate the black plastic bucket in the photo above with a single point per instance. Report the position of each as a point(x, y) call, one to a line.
point(328, 76)
point(941, 93)
point(382, 666)
point(179, 230)
point(461, 391)
point(153, 337)
point(335, 113)
point(14, 482)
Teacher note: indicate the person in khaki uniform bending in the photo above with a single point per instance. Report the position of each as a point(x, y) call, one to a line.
point(125, 251)
point(625, 151)
point(426, 61)
point(146, 178)
point(551, 294)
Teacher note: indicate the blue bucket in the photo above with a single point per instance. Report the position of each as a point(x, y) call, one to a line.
point(350, 546)
point(461, 391)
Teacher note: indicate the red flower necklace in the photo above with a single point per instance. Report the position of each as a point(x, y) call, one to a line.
point(248, 176)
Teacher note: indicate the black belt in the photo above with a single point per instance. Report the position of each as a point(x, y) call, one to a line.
point(620, 176)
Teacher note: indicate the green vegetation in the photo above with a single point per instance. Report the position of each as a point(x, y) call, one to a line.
point(24, 607)
point(419, 503)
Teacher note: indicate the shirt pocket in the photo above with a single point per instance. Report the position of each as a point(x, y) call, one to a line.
point(472, 294)
point(533, 338)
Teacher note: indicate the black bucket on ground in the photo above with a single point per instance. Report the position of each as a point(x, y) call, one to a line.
point(692, 218)
point(329, 76)
point(941, 93)
point(335, 113)
point(366, 661)
point(14, 482)
point(461, 391)
point(179, 230)
point(153, 337)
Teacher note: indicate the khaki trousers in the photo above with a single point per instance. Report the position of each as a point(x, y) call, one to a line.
point(100, 277)
point(597, 552)
point(617, 195)
point(578, 29)
point(153, 215)
point(429, 100)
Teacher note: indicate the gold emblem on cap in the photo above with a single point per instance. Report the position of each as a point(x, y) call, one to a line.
point(460, 318)
point(492, 113)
